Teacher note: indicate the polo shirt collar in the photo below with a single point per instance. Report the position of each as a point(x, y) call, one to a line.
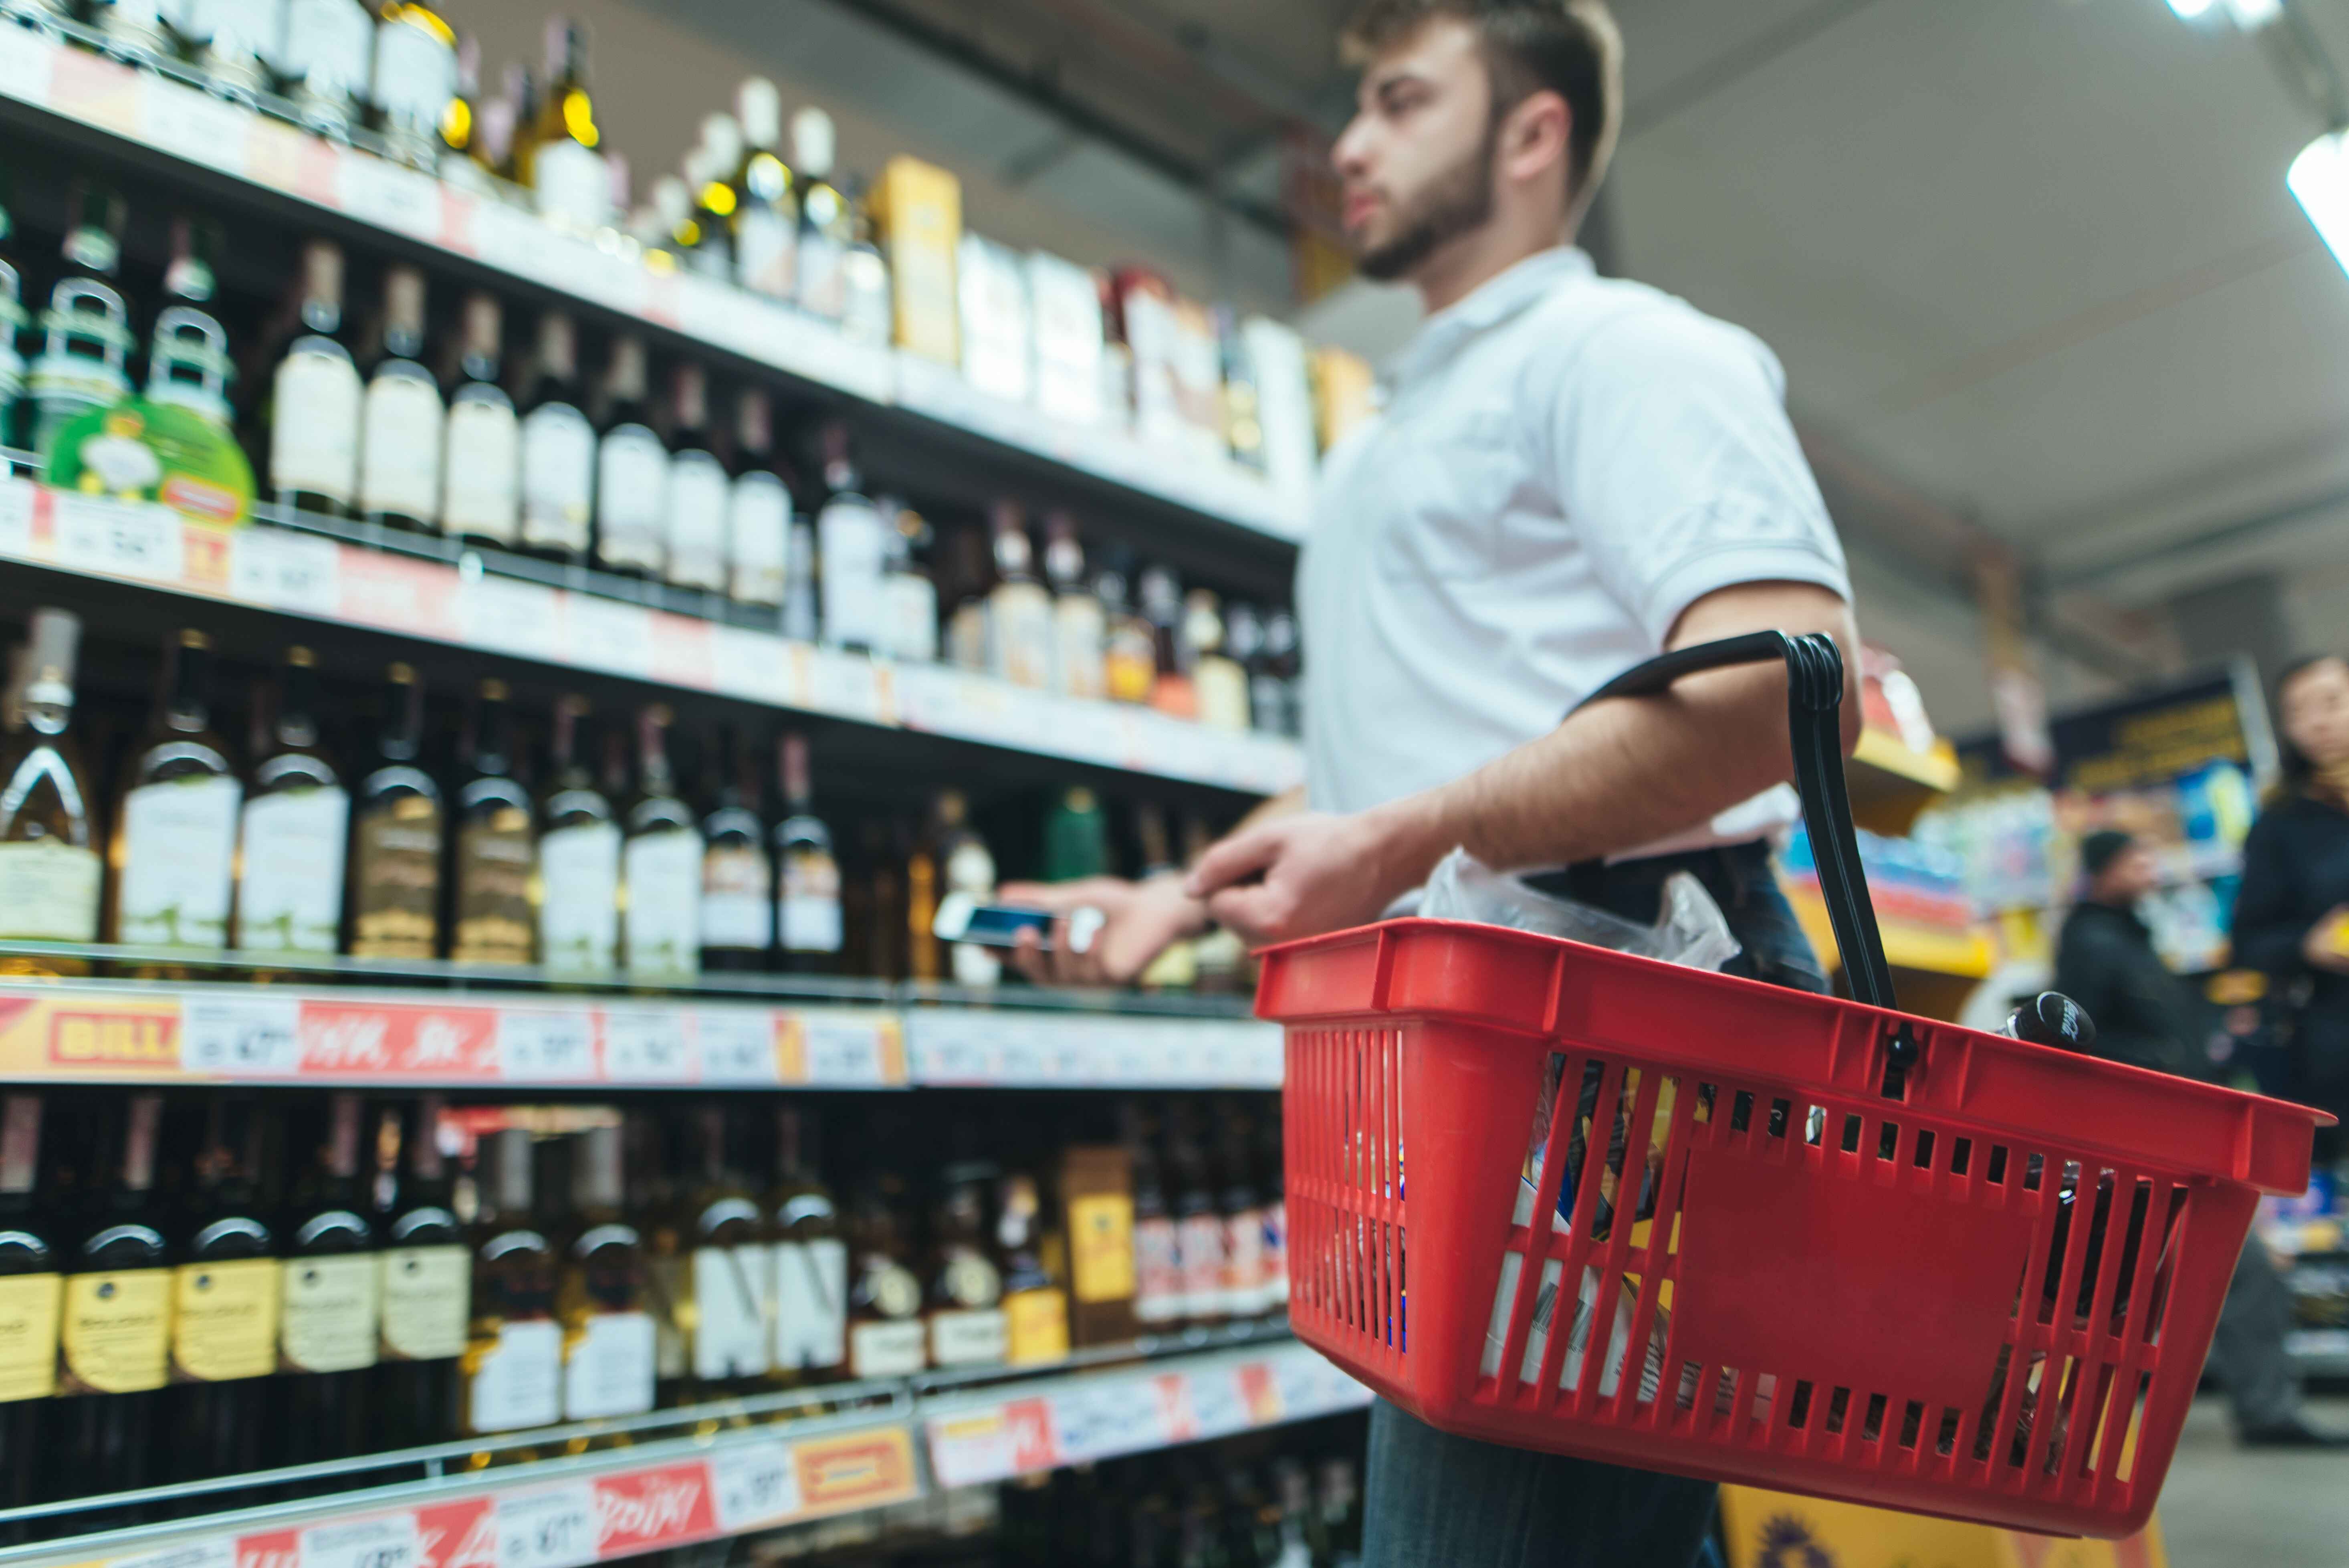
point(1496, 300)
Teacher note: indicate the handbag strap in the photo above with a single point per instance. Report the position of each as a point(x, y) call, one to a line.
point(1814, 703)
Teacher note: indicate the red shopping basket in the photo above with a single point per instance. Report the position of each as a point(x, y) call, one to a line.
point(1794, 1241)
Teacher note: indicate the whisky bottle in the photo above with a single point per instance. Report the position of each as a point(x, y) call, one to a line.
point(225, 1293)
point(699, 490)
point(1275, 697)
point(480, 496)
point(729, 1272)
point(1129, 651)
point(427, 1289)
point(558, 449)
point(810, 1279)
point(1033, 1266)
point(174, 846)
point(31, 1291)
point(1199, 1233)
point(808, 919)
point(963, 1305)
point(759, 509)
point(511, 1371)
point(496, 851)
point(1080, 627)
point(827, 221)
point(328, 46)
point(631, 471)
point(1019, 610)
point(114, 1331)
point(767, 213)
point(965, 866)
point(50, 874)
point(1242, 1207)
point(607, 1334)
point(885, 1333)
point(867, 305)
point(297, 820)
point(925, 959)
point(415, 79)
point(564, 165)
point(1158, 1300)
point(1173, 691)
point(848, 535)
point(708, 175)
point(401, 421)
point(909, 598)
point(1219, 684)
point(395, 874)
point(578, 858)
point(661, 865)
point(329, 1322)
point(316, 399)
point(738, 880)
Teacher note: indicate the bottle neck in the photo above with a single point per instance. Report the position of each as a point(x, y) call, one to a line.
point(298, 703)
point(493, 738)
point(20, 1144)
point(188, 708)
point(403, 731)
point(652, 755)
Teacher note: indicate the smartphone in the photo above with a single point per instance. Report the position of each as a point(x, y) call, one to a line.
point(961, 918)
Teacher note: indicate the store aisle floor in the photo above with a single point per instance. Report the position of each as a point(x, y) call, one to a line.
point(2227, 1506)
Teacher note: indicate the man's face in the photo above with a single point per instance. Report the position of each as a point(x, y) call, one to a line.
point(1417, 160)
point(2132, 874)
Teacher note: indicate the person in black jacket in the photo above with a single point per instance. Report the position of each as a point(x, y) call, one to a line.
point(2291, 917)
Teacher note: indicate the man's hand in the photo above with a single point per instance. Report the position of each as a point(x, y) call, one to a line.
point(1139, 920)
point(2322, 945)
point(1319, 873)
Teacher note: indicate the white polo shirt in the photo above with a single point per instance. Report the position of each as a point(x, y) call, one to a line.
point(1564, 463)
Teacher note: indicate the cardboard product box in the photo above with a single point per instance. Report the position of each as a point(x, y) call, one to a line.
point(917, 208)
point(1199, 380)
point(1153, 337)
point(997, 340)
point(1097, 1215)
point(1284, 399)
point(1064, 308)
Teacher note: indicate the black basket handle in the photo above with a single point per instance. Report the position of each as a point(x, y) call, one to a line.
point(1813, 701)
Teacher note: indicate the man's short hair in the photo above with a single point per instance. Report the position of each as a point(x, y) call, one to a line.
point(1570, 47)
point(2100, 849)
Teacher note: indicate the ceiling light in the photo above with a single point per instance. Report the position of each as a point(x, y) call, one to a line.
point(2191, 9)
point(2320, 182)
point(2251, 15)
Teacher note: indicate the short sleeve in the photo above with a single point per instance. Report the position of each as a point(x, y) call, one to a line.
point(1677, 467)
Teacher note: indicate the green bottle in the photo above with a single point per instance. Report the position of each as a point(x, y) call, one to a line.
point(1076, 838)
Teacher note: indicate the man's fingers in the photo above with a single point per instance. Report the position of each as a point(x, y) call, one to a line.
point(1058, 897)
point(1239, 856)
point(1027, 956)
point(1258, 914)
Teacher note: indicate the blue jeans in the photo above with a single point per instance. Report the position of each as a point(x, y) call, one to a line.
point(1435, 1501)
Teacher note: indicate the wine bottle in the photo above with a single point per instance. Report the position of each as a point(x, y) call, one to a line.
point(1217, 680)
point(807, 893)
point(798, 618)
point(399, 448)
point(31, 1292)
point(225, 1293)
point(1278, 694)
point(578, 858)
point(187, 364)
point(1080, 627)
point(965, 866)
point(563, 166)
point(462, 156)
point(395, 875)
point(767, 213)
point(709, 175)
point(558, 449)
point(513, 1368)
point(827, 223)
point(607, 1334)
point(329, 1324)
point(909, 598)
point(1129, 652)
point(1198, 1225)
point(924, 954)
point(415, 79)
point(866, 304)
point(50, 876)
point(425, 1290)
point(1035, 1298)
point(729, 1271)
point(1076, 837)
point(86, 332)
point(132, 29)
point(297, 820)
point(660, 864)
point(1019, 610)
point(114, 1329)
point(631, 471)
point(1158, 1301)
point(315, 400)
point(964, 1303)
point(496, 844)
point(849, 548)
point(329, 46)
point(1241, 1206)
point(1172, 692)
point(811, 1280)
point(759, 517)
point(235, 43)
point(174, 846)
point(886, 1333)
point(699, 490)
point(481, 500)
point(738, 880)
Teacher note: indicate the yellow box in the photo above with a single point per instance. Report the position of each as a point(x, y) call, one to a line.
point(1773, 1529)
point(918, 210)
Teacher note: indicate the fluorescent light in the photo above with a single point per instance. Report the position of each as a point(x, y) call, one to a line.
point(2191, 9)
point(2251, 15)
point(2320, 182)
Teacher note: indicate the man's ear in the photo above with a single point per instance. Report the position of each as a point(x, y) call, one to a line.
point(1534, 137)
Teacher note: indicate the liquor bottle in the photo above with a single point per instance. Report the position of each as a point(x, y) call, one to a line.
point(909, 599)
point(15, 323)
point(234, 44)
point(225, 1295)
point(50, 874)
point(1244, 645)
point(1340, 1514)
point(86, 332)
point(926, 957)
point(807, 923)
point(810, 1280)
point(885, 1333)
point(1158, 1296)
point(699, 490)
point(759, 510)
point(511, 1371)
point(1219, 684)
point(727, 1271)
point(868, 307)
point(1241, 1206)
point(496, 845)
point(578, 857)
point(297, 820)
point(1080, 625)
point(1198, 1225)
point(849, 548)
point(660, 864)
point(415, 79)
point(427, 1290)
point(892, 918)
point(965, 866)
point(738, 880)
point(561, 163)
point(1019, 610)
point(1176, 967)
point(558, 449)
point(709, 176)
point(132, 30)
point(1271, 1185)
point(767, 213)
point(316, 399)
point(798, 618)
point(31, 1291)
point(1242, 406)
point(510, 125)
point(1076, 837)
point(1275, 697)
point(1129, 652)
point(1173, 691)
point(187, 364)
point(1035, 1299)
point(329, 1321)
point(461, 154)
point(329, 48)
point(827, 224)
point(607, 1334)
point(114, 1326)
point(96, 215)
point(631, 471)
point(964, 1303)
point(175, 845)
point(481, 501)
point(399, 448)
point(395, 874)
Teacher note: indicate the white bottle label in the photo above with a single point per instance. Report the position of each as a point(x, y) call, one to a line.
point(579, 913)
point(573, 185)
point(886, 1349)
point(240, 27)
point(415, 74)
point(610, 1368)
point(975, 1338)
point(314, 432)
point(848, 548)
point(700, 497)
point(758, 538)
point(1080, 632)
point(327, 1322)
point(1199, 1243)
point(558, 478)
point(483, 495)
point(737, 899)
point(519, 1382)
point(811, 1302)
point(426, 1298)
point(290, 899)
point(765, 247)
point(178, 852)
point(329, 42)
point(808, 902)
point(662, 928)
point(631, 498)
point(49, 891)
point(730, 1337)
point(909, 618)
point(400, 455)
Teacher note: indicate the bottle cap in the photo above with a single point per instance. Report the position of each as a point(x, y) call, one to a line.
point(760, 108)
point(814, 143)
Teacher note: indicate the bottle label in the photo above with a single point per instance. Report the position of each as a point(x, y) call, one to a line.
point(1274, 1296)
point(49, 891)
point(823, 285)
point(483, 495)
point(328, 41)
point(699, 497)
point(664, 903)
point(225, 1320)
point(1131, 664)
point(808, 902)
point(579, 911)
point(969, 1338)
point(1021, 615)
point(493, 914)
point(631, 498)
point(970, 870)
point(398, 873)
point(573, 185)
point(426, 1298)
point(1223, 692)
point(848, 542)
point(1101, 1247)
point(1157, 1272)
point(1199, 1245)
point(811, 1302)
point(909, 618)
point(1078, 632)
point(29, 1308)
point(1243, 1285)
point(864, 307)
point(766, 246)
point(179, 848)
point(314, 432)
point(758, 538)
point(609, 1370)
point(399, 456)
point(737, 899)
point(886, 1349)
point(116, 1331)
point(966, 636)
point(415, 74)
point(517, 1381)
point(1039, 1326)
point(330, 1320)
point(730, 1337)
point(291, 898)
point(558, 478)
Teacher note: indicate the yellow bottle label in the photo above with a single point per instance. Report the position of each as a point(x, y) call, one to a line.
point(329, 1318)
point(1039, 1325)
point(428, 1295)
point(1101, 1246)
point(116, 1333)
point(28, 1337)
point(225, 1320)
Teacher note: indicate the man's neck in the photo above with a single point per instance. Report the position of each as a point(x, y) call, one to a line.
point(1475, 259)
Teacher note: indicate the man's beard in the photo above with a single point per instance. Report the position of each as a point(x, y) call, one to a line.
point(1457, 201)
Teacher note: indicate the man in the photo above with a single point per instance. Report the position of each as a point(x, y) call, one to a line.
point(1568, 475)
point(2145, 1016)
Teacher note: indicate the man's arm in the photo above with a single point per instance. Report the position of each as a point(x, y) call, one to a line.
point(1609, 778)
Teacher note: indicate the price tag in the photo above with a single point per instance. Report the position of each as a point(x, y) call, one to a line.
point(509, 238)
point(1175, 1417)
point(546, 1048)
point(18, 499)
point(551, 1529)
point(388, 1542)
point(1099, 1418)
point(845, 686)
point(519, 618)
point(1024, 1054)
point(846, 1048)
point(1217, 1405)
point(24, 69)
point(951, 1048)
point(241, 1037)
point(647, 1047)
point(605, 635)
point(213, 1552)
point(755, 1483)
point(973, 1447)
point(390, 195)
point(737, 1046)
point(754, 665)
point(285, 571)
point(124, 539)
point(194, 125)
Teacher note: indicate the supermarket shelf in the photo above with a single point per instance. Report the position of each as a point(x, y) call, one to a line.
point(2319, 1352)
point(1890, 784)
point(189, 133)
point(1964, 953)
point(463, 605)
